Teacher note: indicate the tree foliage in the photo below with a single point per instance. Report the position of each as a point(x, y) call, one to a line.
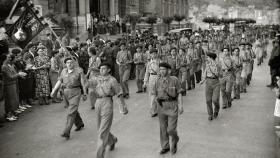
point(151, 19)
point(167, 21)
point(215, 20)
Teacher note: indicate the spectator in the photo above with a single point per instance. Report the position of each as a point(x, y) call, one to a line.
point(11, 97)
point(56, 67)
point(42, 88)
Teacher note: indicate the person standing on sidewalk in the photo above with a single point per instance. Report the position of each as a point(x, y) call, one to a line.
point(212, 85)
point(167, 91)
point(106, 86)
point(237, 73)
point(71, 80)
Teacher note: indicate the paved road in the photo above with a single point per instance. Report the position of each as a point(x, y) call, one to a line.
point(244, 131)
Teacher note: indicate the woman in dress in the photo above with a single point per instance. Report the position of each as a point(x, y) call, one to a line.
point(42, 88)
point(10, 79)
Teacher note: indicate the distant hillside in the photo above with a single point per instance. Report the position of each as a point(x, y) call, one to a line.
point(260, 4)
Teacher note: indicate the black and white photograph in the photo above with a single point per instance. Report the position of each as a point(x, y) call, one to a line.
point(140, 78)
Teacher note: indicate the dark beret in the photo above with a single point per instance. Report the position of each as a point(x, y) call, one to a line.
point(69, 58)
point(166, 65)
point(242, 43)
point(197, 42)
point(236, 48)
point(225, 48)
point(249, 44)
point(205, 41)
point(139, 46)
point(212, 55)
point(122, 43)
point(108, 41)
point(153, 51)
point(105, 64)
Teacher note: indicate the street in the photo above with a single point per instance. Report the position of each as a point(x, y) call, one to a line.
point(243, 131)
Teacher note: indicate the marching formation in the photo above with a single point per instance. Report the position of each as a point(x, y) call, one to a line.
point(165, 67)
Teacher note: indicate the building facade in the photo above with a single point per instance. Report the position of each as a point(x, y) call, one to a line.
point(81, 11)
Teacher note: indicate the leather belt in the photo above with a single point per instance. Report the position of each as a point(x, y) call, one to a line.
point(212, 77)
point(153, 73)
point(72, 87)
point(107, 96)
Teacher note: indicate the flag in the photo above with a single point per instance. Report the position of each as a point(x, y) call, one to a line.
point(25, 28)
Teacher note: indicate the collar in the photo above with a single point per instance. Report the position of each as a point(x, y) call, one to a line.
point(70, 71)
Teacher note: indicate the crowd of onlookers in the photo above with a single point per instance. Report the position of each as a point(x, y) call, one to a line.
point(28, 75)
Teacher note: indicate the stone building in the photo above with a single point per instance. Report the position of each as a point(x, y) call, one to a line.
point(81, 10)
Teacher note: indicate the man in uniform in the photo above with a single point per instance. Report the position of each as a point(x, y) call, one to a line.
point(124, 60)
point(151, 75)
point(212, 85)
point(106, 86)
point(167, 91)
point(246, 66)
point(71, 80)
point(226, 78)
point(140, 61)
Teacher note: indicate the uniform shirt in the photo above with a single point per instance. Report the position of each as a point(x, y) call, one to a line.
point(211, 69)
point(172, 61)
point(139, 58)
point(94, 63)
point(105, 86)
point(245, 56)
point(166, 87)
point(236, 61)
point(124, 57)
point(152, 68)
point(226, 63)
point(182, 61)
point(71, 79)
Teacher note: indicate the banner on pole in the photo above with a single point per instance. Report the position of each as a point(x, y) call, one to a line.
point(25, 28)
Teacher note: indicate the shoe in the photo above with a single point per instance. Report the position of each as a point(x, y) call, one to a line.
point(56, 101)
point(210, 118)
point(224, 107)
point(164, 151)
point(215, 115)
point(11, 119)
point(28, 106)
point(270, 85)
point(184, 93)
point(229, 104)
point(22, 107)
point(92, 108)
point(80, 127)
point(189, 89)
point(174, 147)
point(112, 147)
point(66, 136)
point(154, 115)
point(18, 111)
point(245, 91)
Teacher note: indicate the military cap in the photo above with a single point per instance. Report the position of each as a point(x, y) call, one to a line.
point(242, 43)
point(164, 64)
point(105, 64)
point(139, 46)
point(212, 55)
point(69, 58)
point(153, 51)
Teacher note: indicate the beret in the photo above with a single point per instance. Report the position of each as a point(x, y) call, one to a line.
point(153, 51)
point(242, 43)
point(69, 58)
point(249, 44)
point(107, 41)
point(164, 64)
point(105, 64)
point(212, 55)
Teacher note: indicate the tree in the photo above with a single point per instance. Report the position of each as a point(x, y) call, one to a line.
point(133, 19)
point(167, 21)
point(179, 18)
point(151, 20)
